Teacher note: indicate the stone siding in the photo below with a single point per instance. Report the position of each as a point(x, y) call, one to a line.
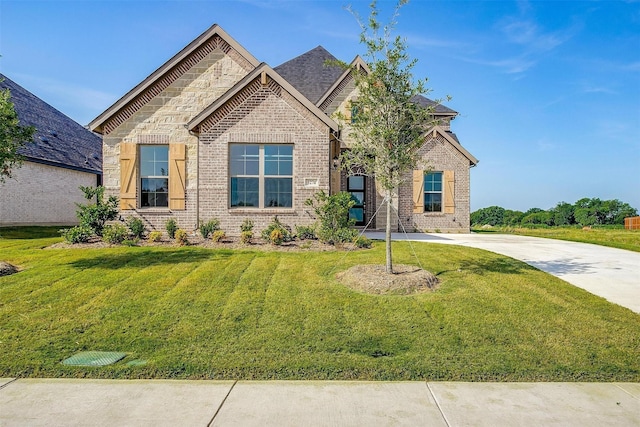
point(43, 195)
point(162, 120)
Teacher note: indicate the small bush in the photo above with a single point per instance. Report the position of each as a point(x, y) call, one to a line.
point(181, 237)
point(209, 227)
point(115, 233)
point(304, 232)
point(340, 235)
point(246, 237)
point(285, 234)
point(171, 226)
point(77, 234)
point(131, 242)
point(362, 242)
point(276, 237)
point(332, 212)
point(155, 236)
point(95, 215)
point(218, 236)
point(247, 225)
point(136, 227)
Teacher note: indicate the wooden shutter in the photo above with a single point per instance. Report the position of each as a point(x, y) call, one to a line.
point(449, 193)
point(418, 191)
point(128, 175)
point(177, 178)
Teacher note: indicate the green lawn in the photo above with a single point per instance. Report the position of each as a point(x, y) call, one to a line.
point(218, 314)
point(613, 237)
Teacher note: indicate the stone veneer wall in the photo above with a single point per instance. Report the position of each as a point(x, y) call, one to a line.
point(162, 120)
point(43, 195)
point(262, 115)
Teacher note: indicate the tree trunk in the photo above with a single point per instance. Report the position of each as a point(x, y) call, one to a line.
point(389, 266)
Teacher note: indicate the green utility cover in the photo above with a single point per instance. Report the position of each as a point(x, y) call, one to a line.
point(94, 358)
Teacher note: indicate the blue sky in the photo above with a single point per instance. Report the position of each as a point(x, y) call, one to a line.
point(548, 91)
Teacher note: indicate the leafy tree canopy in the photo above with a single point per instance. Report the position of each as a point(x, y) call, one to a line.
point(13, 136)
point(584, 212)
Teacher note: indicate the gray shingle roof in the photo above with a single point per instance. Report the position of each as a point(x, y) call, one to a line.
point(312, 77)
point(58, 141)
point(438, 108)
point(309, 73)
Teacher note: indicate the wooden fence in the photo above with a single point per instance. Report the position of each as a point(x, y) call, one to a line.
point(632, 223)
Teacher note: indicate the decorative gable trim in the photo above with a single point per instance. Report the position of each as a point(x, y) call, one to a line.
point(209, 41)
point(249, 85)
point(451, 140)
point(337, 87)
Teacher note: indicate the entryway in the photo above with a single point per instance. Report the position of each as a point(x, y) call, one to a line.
point(356, 186)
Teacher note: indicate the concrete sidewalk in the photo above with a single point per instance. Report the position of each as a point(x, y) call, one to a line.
point(68, 402)
point(611, 273)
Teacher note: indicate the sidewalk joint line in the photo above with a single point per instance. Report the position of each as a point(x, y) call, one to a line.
point(222, 403)
point(435, 399)
point(628, 392)
point(10, 382)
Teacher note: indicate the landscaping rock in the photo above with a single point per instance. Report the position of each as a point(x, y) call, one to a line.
point(7, 269)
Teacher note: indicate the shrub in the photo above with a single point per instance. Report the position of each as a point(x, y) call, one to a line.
point(276, 237)
point(218, 236)
point(181, 237)
point(247, 225)
point(171, 226)
point(95, 215)
point(333, 216)
point(304, 232)
point(115, 233)
point(285, 234)
point(339, 236)
point(131, 242)
point(77, 234)
point(362, 242)
point(136, 227)
point(246, 236)
point(209, 227)
point(155, 236)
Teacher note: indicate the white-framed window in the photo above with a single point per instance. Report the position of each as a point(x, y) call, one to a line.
point(433, 192)
point(154, 176)
point(261, 175)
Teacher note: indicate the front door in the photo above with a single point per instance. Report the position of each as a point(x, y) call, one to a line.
point(357, 188)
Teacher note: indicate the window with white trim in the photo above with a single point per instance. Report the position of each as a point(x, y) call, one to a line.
point(433, 192)
point(154, 175)
point(261, 175)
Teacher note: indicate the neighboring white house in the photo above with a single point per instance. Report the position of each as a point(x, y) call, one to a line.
point(63, 157)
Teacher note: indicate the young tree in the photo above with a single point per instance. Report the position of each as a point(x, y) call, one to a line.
point(12, 136)
point(389, 127)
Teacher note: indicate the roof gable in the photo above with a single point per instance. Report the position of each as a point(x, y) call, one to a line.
point(212, 39)
point(309, 72)
point(58, 140)
point(263, 72)
point(453, 140)
point(438, 109)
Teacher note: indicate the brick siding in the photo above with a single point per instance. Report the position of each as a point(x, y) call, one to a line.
point(43, 195)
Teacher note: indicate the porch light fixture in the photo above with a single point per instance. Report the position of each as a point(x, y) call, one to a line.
point(336, 162)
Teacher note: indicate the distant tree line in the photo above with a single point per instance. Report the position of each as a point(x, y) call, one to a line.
point(584, 212)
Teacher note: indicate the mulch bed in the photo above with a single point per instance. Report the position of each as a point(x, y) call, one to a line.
point(373, 279)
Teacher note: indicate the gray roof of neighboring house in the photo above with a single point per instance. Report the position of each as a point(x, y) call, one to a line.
point(310, 74)
point(58, 140)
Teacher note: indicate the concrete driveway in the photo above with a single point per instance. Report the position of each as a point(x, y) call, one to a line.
point(613, 274)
